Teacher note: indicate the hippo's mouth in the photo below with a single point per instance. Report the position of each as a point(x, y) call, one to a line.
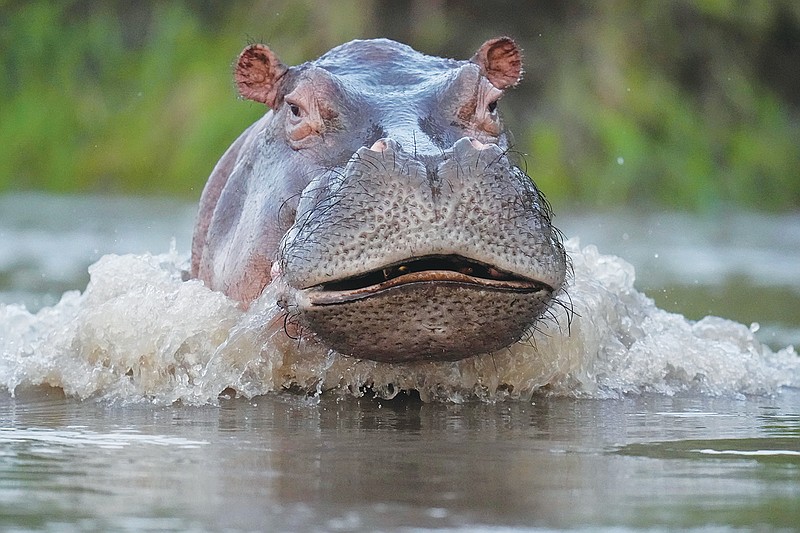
point(448, 269)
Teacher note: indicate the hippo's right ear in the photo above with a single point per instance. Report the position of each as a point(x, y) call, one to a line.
point(500, 60)
point(257, 73)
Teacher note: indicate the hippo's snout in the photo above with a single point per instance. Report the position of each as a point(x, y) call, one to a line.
point(421, 259)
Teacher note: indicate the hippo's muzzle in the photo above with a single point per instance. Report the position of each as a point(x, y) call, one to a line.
point(451, 283)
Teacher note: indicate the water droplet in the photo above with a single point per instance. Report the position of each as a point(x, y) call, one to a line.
point(755, 326)
point(620, 160)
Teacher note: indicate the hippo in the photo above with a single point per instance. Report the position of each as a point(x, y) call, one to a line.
point(378, 197)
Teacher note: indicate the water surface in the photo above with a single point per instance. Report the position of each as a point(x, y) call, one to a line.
point(286, 463)
point(713, 443)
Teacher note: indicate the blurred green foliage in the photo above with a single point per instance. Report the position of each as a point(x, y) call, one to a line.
point(686, 104)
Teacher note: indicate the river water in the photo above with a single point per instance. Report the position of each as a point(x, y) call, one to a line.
point(131, 400)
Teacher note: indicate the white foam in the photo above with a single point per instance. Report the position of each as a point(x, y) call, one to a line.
point(54, 441)
point(748, 453)
point(139, 333)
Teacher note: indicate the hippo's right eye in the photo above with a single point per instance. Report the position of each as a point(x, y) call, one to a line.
point(303, 121)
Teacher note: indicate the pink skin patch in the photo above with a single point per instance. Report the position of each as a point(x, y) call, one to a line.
point(478, 145)
point(275, 271)
point(379, 146)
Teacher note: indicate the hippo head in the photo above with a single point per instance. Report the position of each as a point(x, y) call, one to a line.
point(379, 196)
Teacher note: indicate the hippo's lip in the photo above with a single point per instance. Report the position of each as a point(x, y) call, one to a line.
point(428, 270)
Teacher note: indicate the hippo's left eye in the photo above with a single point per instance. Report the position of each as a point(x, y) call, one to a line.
point(492, 107)
point(295, 109)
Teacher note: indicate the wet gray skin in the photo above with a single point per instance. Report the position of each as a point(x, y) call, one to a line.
point(378, 195)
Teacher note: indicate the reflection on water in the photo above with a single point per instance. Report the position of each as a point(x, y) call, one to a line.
point(288, 463)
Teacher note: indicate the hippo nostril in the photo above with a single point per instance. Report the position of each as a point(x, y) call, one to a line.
point(379, 146)
point(385, 143)
point(469, 145)
point(477, 144)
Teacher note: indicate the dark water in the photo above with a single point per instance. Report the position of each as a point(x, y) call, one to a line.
point(293, 463)
point(286, 463)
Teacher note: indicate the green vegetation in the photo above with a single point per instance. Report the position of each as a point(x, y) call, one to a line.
point(686, 104)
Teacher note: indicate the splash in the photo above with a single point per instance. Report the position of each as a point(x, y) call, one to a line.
point(139, 333)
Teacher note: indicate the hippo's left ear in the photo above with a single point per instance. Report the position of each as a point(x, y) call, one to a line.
point(257, 72)
point(500, 60)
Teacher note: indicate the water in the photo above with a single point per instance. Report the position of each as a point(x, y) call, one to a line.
point(283, 463)
point(648, 420)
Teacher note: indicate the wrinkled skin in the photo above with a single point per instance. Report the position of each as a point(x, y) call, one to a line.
point(378, 196)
